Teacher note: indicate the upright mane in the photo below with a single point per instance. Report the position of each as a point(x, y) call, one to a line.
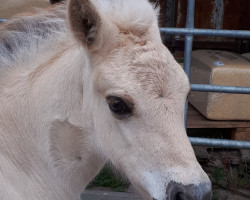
point(129, 15)
point(26, 37)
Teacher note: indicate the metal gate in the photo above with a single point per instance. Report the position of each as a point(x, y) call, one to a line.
point(189, 31)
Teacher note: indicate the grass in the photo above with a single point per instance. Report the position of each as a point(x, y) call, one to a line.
point(180, 60)
point(214, 197)
point(108, 178)
point(218, 175)
point(221, 177)
point(244, 176)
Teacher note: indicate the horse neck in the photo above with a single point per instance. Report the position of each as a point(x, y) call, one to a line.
point(52, 89)
point(49, 94)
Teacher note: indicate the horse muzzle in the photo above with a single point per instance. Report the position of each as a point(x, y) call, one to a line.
point(177, 191)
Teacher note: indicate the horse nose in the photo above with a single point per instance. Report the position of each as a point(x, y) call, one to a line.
point(177, 191)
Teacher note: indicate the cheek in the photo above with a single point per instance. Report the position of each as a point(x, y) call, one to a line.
point(107, 129)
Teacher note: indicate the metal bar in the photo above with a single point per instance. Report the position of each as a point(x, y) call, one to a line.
point(207, 32)
point(220, 88)
point(188, 46)
point(189, 38)
point(190, 14)
point(188, 53)
point(233, 144)
point(2, 20)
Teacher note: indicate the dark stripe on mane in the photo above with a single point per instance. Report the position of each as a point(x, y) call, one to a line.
point(25, 36)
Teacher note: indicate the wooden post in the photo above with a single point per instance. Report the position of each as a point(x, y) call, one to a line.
point(241, 134)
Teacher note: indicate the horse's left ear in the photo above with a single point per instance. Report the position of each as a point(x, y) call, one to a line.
point(84, 20)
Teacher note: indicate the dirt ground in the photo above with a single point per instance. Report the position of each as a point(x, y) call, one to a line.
point(227, 195)
point(219, 194)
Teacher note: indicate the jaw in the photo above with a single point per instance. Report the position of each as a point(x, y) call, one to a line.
point(73, 156)
point(153, 180)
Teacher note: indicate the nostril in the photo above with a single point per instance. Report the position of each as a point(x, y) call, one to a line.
point(177, 191)
point(180, 196)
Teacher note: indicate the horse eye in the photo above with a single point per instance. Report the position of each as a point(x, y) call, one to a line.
point(120, 108)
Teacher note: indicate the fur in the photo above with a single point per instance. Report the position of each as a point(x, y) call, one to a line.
point(56, 128)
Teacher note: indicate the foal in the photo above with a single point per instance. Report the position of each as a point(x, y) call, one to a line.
point(93, 85)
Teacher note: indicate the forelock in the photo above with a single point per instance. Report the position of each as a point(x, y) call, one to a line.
point(129, 15)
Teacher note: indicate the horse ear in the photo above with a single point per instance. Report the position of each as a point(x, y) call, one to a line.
point(84, 20)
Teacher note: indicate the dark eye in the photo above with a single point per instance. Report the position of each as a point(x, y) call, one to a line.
point(119, 107)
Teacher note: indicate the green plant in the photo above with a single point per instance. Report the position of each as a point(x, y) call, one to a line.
point(220, 176)
point(244, 176)
point(180, 60)
point(108, 178)
point(214, 197)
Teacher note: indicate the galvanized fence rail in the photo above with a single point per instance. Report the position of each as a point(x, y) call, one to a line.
point(189, 31)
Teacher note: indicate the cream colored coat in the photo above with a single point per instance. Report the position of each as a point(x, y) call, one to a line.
point(56, 126)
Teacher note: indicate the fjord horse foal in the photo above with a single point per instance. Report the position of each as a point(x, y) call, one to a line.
point(86, 83)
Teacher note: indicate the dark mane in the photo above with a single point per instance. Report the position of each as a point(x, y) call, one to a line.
point(25, 36)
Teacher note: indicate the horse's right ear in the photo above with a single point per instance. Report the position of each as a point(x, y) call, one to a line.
point(84, 20)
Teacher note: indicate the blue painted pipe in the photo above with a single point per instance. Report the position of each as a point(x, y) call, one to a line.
point(188, 45)
point(2, 20)
point(220, 88)
point(207, 32)
point(210, 142)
